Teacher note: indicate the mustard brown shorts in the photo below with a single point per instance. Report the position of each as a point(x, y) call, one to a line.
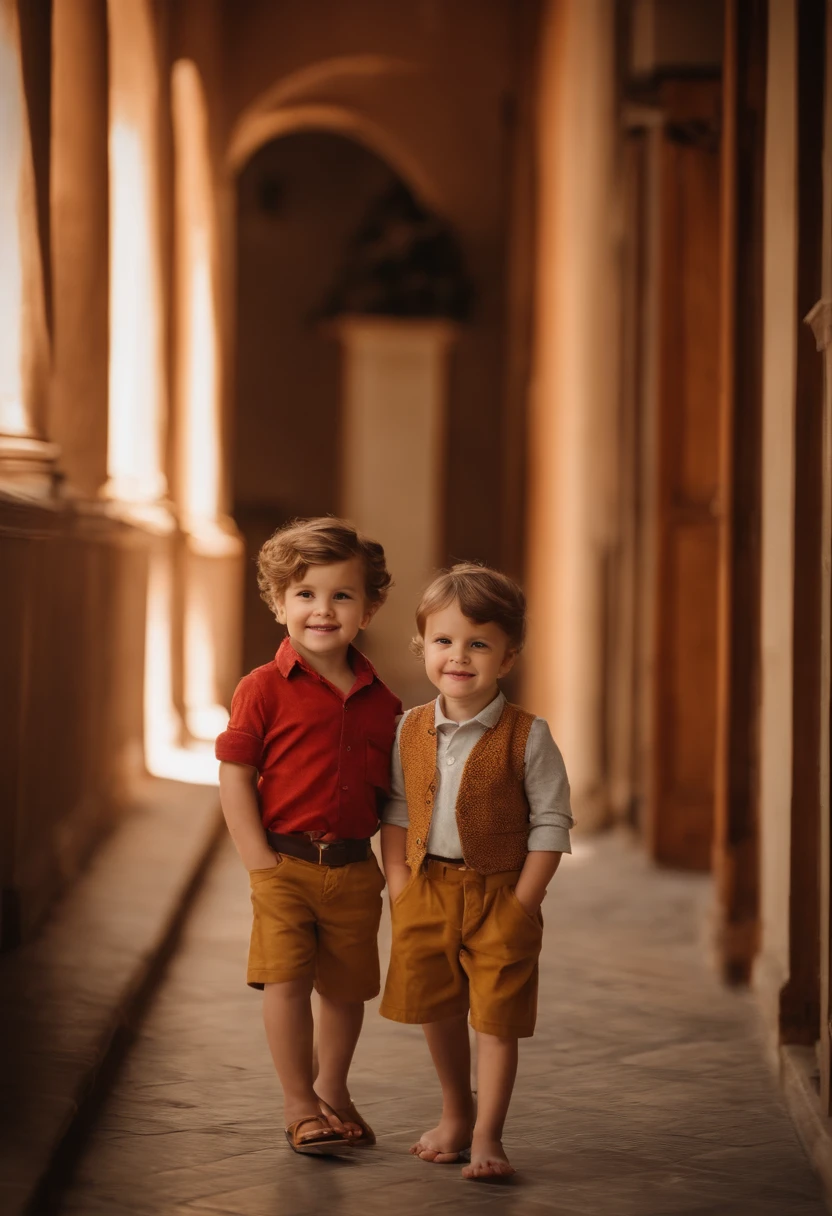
point(463, 940)
point(317, 921)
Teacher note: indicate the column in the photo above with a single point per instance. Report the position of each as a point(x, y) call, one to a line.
point(572, 417)
point(26, 459)
point(137, 384)
point(80, 219)
point(395, 383)
point(211, 565)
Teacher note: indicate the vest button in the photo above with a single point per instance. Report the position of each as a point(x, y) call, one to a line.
point(418, 839)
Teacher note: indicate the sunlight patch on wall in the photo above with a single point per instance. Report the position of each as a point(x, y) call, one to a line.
point(12, 147)
point(137, 354)
point(134, 454)
point(164, 755)
point(205, 718)
point(197, 311)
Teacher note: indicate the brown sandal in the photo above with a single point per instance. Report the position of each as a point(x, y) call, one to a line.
point(349, 1114)
point(321, 1142)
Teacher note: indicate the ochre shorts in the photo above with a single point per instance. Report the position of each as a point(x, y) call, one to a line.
point(317, 921)
point(462, 940)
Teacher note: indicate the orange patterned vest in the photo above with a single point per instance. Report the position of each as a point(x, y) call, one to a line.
point(492, 811)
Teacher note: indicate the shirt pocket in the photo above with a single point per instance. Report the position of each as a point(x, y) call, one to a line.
point(377, 764)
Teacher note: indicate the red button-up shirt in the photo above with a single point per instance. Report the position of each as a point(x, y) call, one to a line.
point(323, 758)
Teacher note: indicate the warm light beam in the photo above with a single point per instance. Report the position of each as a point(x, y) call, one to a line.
point(137, 358)
point(197, 311)
point(13, 151)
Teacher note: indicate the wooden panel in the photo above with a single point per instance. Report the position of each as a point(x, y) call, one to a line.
point(689, 692)
point(736, 844)
point(681, 815)
point(625, 573)
point(824, 341)
point(800, 999)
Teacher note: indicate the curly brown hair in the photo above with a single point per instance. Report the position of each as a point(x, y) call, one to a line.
point(483, 595)
point(292, 549)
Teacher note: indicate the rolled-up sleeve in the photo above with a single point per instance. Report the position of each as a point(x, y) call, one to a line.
point(547, 789)
point(395, 811)
point(242, 741)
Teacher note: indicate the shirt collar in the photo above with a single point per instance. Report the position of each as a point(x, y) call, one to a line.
point(487, 717)
point(287, 659)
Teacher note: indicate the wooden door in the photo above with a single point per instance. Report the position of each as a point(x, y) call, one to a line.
point(681, 811)
point(736, 835)
point(821, 321)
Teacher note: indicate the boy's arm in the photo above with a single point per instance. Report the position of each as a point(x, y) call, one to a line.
point(396, 869)
point(394, 826)
point(538, 871)
point(550, 815)
point(238, 796)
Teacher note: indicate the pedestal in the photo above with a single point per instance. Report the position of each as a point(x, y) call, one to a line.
point(395, 383)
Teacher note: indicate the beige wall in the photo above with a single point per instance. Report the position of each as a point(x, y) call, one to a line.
point(778, 501)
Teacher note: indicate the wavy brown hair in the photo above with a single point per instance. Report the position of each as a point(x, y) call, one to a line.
point(288, 554)
point(484, 595)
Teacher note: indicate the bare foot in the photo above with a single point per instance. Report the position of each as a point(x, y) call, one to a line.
point(488, 1160)
point(444, 1143)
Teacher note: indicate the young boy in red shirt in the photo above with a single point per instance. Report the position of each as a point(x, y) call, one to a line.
point(304, 768)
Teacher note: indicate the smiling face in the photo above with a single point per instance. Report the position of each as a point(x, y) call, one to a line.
point(465, 660)
point(325, 609)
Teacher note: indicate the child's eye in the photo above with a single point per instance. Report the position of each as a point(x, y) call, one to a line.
point(305, 595)
point(481, 645)
point(442, 641)
point(342, 595)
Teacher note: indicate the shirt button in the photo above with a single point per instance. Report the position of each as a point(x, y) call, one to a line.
point(349, 749)
point(451, 759)
point(345, 787)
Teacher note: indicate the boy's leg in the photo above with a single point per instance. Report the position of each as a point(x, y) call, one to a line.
point(451, 1052)
point(496, 1070)
point(501, 956)
point(287, 1015)
point(339, 1025)
point(347, 975)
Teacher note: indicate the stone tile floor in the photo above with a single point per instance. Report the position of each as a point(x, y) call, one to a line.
point(644, 1092)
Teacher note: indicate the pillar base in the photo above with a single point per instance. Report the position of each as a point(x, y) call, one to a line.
point(28, 466)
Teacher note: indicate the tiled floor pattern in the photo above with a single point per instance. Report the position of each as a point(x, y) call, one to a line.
point(644, 1092)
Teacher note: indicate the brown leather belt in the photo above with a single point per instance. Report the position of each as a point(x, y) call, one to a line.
point(448, 861)
point(322, 852)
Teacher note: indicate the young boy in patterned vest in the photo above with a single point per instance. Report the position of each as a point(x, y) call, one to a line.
point(305, 769)
point(474, 831)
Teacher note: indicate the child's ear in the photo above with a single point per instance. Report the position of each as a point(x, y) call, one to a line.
point(507, 663)
point(280, 610)
point(369, 612)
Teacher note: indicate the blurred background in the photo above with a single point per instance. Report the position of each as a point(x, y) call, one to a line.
point(538, 283)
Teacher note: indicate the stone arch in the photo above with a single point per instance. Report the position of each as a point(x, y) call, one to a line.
point(327, 96)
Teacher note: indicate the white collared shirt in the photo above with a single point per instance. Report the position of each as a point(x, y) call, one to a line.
point(546, 783)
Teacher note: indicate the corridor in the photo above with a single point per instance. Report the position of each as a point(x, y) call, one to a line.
point(643, 1093)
